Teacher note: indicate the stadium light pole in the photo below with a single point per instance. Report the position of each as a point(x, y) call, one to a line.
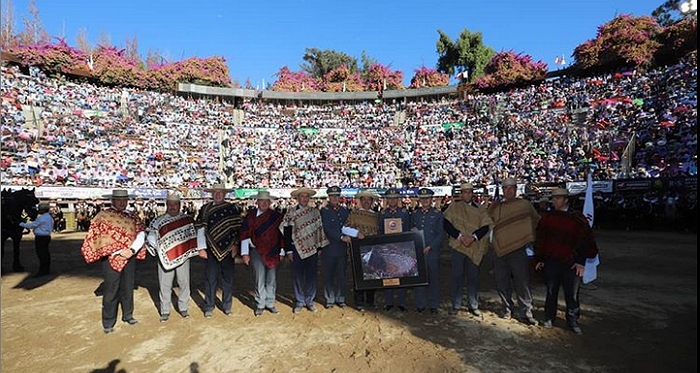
point(690, 8)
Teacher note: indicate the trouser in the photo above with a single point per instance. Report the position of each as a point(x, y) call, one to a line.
point(118, 288)
point(463, 265)
point(305, 276)
point(364, 298)
point(41, 244)
point(165, 282)
point(557, 274)
point(400, 297)
point(334, 278)
point(265, 281)
point(213, 269)
point(430, 295)
point(514, 265)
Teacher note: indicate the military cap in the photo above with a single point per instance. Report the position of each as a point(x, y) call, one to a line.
point(425, 193)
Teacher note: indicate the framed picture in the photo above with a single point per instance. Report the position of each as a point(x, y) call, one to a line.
point(389, 261)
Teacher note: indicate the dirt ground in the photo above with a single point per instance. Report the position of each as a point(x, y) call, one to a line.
point(641, 318)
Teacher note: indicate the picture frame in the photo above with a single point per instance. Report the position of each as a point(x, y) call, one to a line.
point(389, 261)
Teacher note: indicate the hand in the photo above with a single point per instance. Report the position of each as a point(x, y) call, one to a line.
point(246, 259)
point(202, 254)
point(427, 249)
point(290, 257)
point(578, 268)
point(360, 236)
point(126, 253)
point(539, 266)
point(346, 239)
point(466, 240)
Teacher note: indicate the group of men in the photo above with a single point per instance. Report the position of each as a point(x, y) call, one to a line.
point(305, 236)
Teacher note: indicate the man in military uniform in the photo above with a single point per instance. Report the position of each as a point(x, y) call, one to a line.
point(334, 255)
point(394, 219)
point(362, 222)
point(430, 221)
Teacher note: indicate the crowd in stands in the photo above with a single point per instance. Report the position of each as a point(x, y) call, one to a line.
point(80, 134)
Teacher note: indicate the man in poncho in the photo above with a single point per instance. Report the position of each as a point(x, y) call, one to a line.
point(173, 240)
point(116, 237)
point(303, 236)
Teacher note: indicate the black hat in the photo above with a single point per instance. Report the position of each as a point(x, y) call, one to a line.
point(392, 193)
point(333, 191)
point(425, 193)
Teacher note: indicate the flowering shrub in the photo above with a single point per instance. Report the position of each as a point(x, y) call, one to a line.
point(59, 57)
point(510, 68)
point(289, 81)
point(340, 79)
point(427, 77)
point(111, 67)
point(624, 41)
point(377, 74)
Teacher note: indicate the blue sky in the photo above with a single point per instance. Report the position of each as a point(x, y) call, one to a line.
point(257, 38)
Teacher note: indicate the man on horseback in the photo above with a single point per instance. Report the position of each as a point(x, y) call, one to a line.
point(16, 207)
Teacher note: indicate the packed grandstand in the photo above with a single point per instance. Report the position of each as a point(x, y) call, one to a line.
point(628, 124)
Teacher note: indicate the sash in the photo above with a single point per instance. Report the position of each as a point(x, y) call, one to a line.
point(175, 240)
point(111, 231)
point(307, 230)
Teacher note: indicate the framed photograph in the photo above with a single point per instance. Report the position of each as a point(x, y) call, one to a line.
point(389, 261)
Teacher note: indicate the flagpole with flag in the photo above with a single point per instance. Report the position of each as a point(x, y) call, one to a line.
point(590, 271)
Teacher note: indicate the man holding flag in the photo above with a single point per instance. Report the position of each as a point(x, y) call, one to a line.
point(563, 242)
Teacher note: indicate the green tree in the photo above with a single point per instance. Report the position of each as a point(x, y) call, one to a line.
point(321, 62)
point(668, 13)
point(467, 54)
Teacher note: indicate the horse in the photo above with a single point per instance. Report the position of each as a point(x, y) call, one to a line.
point(17, 206)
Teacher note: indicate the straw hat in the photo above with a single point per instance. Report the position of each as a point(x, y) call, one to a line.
point(466, 186)
point(560, 192)
point(118, 194)
point(173, 197)
point(263, 195)
point(217, 187)
point(367, 194)
point(303, 190)
point(510, 182)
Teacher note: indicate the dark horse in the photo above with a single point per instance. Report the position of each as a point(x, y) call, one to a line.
point(17, 206)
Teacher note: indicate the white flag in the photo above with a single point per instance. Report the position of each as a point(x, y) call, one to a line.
point(590, 271)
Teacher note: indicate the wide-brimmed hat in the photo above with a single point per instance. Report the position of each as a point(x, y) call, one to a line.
point(466, 186)
point(264, 195)
point(303, 190)
point(366, 194)
point(560, 192)
point(425, 193)
point(118, 194)
point(173, 197)
point(217, 187)
point(510, 182)
point(333, 191)
point(392, 193)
